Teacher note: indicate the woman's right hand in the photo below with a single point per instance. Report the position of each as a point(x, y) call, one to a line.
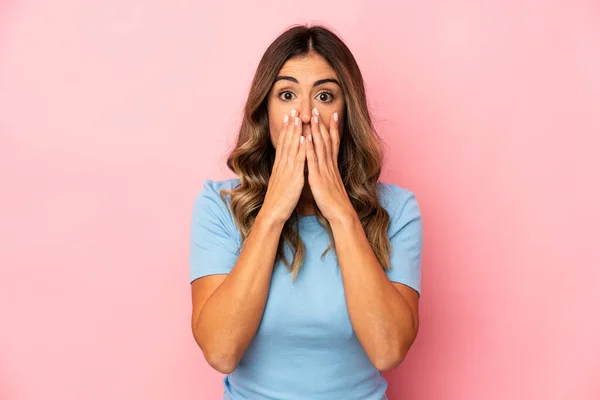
point(287, 177)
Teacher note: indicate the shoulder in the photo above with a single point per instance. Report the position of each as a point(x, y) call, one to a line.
point(209, 206)
point(395, 198)
point(213, 186)
point(211, 190)
point(401, 205)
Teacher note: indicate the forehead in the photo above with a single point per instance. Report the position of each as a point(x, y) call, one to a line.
point(308, 68)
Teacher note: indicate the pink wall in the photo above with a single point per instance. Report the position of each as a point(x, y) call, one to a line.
point(112, 113)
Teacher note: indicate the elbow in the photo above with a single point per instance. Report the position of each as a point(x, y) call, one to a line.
point(389, 361)
point(392, 356)
point(219, 360)
point(221, 363)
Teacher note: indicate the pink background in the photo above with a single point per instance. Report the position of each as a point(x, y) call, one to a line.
point(112, 113)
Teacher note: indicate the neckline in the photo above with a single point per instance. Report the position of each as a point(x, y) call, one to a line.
point(308, 220)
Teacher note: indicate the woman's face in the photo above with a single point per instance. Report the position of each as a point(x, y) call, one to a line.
point(305, 83)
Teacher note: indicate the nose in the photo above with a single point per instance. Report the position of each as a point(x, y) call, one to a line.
point(305, 112)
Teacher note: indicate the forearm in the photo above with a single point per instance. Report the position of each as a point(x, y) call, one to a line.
point(231, 315)
point(380, 316)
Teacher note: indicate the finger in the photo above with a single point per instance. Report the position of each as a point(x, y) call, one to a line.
point(311, 156)
point(318, 141)
point(282, 131)
point(334, 132)
point(295, 142)
point(301, 156)
point(281, 138)
point(324, 134)
point(288, 137)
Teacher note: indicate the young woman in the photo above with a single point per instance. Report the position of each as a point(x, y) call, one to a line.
point(345, 308)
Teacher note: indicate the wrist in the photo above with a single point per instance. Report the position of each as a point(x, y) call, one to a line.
point(268, 220)
point(345, 220)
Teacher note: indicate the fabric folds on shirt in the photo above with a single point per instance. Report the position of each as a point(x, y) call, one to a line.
point(305, 346)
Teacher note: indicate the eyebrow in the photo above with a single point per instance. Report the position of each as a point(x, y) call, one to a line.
point(317, 83)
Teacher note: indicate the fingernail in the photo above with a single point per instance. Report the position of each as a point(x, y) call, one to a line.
point(316, 111)
point(301, 139)
point(297, 120)
point(285, 119)
point(316, 120)
point(335, 116)
point(293, 112)
point(310, 138)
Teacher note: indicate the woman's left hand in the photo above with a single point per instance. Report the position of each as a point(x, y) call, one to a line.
point(324, 176)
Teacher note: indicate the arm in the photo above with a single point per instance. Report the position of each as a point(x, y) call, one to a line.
point(227, 309)
point(384, 314)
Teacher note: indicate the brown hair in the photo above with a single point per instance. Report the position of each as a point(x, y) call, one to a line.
point(360, 153)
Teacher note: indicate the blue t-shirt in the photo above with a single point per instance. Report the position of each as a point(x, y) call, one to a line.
point(305, 346)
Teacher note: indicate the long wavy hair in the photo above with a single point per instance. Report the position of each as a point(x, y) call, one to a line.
point(360, 153)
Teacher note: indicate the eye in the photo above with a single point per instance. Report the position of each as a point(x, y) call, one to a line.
point(325, 96)
point(282, 92)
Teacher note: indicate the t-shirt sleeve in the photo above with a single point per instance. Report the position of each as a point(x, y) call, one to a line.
point(406, 237)
point(214, 237)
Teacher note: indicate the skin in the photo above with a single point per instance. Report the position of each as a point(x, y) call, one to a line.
point(227, 309)
point(384, 314)
point(286, 95)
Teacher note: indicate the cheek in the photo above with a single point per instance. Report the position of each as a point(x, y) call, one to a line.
point(274, 139)
point(274, 135)
point(273, 132)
